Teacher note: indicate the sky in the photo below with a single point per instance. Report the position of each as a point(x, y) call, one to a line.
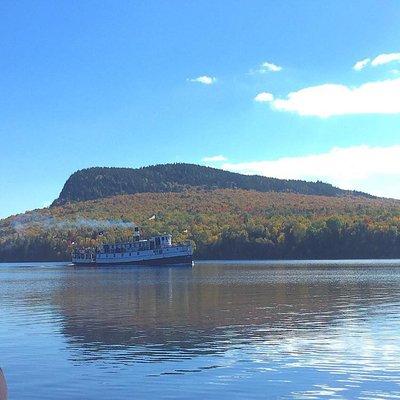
point(290, 89)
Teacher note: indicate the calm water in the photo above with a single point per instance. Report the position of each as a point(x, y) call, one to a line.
point(215, 331)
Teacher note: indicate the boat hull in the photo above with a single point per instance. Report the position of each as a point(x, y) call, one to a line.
point(177, 260)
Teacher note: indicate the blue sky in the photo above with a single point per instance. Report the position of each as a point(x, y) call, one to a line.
point(136, 83)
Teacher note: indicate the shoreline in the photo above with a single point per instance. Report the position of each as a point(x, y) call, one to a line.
point(338, 261)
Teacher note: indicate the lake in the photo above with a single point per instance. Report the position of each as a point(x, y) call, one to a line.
point(219, 330)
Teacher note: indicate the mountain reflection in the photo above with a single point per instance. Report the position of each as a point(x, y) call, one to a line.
point(152, 314)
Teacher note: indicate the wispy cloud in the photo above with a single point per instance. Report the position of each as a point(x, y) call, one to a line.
point(264, 97)
point(385, 59)
point(375, 170)
point(269, 67)
point(204, 79)
point(379, 97)
point(214, 158)
point(359, 65)
point(381, 59)
point(266, 67)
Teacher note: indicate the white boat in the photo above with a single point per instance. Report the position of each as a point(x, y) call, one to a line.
point(156, 250)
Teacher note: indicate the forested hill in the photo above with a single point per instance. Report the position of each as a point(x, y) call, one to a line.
point(221, 223)
point(100, 182)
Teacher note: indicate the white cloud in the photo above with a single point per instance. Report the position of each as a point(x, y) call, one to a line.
point(375, 170)
point(269, 67)
point(380, 97)
point(264, 97)
point(385, 59)
point(266, 67)
point(382, 59)
point(359, 65)
point(204, 79)
point(214, 158)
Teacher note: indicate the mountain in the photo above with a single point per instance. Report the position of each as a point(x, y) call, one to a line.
point(101, 182)
point(223, 214)
point(221, 223)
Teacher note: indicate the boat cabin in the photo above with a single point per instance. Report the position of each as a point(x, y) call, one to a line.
point(153, 243)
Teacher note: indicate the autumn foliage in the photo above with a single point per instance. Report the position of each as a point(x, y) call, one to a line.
point(221, 223)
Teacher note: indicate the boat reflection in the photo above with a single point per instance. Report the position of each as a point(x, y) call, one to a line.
point(147, 314)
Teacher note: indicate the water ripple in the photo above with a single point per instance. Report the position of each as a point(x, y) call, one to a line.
point(218, 330)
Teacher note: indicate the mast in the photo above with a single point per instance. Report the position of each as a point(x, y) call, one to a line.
point(136, 234)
